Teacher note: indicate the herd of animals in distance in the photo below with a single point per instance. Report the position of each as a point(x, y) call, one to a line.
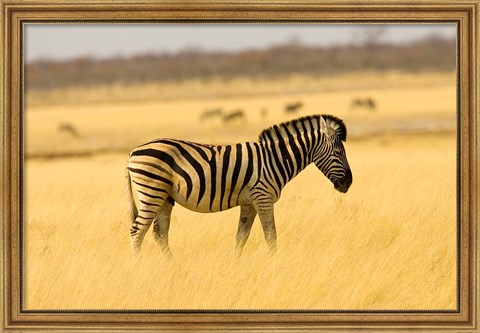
point(367, 104)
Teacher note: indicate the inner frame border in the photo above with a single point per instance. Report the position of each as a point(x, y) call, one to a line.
point(221, 311)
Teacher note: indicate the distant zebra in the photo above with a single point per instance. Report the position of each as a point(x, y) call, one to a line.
point(367, 103)
point(293, 107)
point(211, 113)
point(236, 114)
point(208, 178)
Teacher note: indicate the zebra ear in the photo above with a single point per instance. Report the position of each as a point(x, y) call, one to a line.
point(326, 128)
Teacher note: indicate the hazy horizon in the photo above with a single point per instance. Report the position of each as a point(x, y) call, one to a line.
point(67, 41)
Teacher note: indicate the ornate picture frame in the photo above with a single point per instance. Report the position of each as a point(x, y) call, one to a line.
point(15, 14)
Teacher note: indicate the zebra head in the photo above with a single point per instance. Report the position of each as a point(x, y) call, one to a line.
point(330, 156)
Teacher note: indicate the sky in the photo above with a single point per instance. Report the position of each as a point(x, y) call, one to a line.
point(66, 41)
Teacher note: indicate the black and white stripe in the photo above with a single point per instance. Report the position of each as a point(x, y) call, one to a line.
point(207, 178)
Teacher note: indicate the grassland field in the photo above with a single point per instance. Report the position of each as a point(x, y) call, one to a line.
point(389, 243)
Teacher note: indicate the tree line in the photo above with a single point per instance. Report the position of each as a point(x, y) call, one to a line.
point(430, 54)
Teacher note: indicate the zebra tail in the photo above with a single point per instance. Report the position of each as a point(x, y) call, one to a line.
point(132, 208)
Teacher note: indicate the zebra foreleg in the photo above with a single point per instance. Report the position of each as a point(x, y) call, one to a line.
point(268, 225)
point(247, 216)
point(161, 225)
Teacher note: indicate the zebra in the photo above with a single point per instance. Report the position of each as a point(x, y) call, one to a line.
point(209, 178)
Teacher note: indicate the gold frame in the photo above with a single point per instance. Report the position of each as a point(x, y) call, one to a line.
point(465, 13)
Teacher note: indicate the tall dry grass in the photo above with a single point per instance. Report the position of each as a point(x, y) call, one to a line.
point(389, 243)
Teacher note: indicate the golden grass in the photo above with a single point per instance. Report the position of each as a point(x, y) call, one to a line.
point(389, 243)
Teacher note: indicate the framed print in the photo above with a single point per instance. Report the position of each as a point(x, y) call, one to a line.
point(259, 166)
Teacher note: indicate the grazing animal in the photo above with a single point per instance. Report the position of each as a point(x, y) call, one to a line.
point(366, 103)
point(237, 114)
point(211, 113)
point(264, 113)
point(208, 178)
point(293, 107)
point(68, 129)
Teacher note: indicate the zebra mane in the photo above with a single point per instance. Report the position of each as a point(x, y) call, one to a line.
point(287, 128)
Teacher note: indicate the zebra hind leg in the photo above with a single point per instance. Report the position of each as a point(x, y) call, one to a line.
point(161, 225)
point(146, 215)
point(247, 216)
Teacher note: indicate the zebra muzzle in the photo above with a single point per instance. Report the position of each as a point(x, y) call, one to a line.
point(342, 185)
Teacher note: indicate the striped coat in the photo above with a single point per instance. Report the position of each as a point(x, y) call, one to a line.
point(207, 178)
